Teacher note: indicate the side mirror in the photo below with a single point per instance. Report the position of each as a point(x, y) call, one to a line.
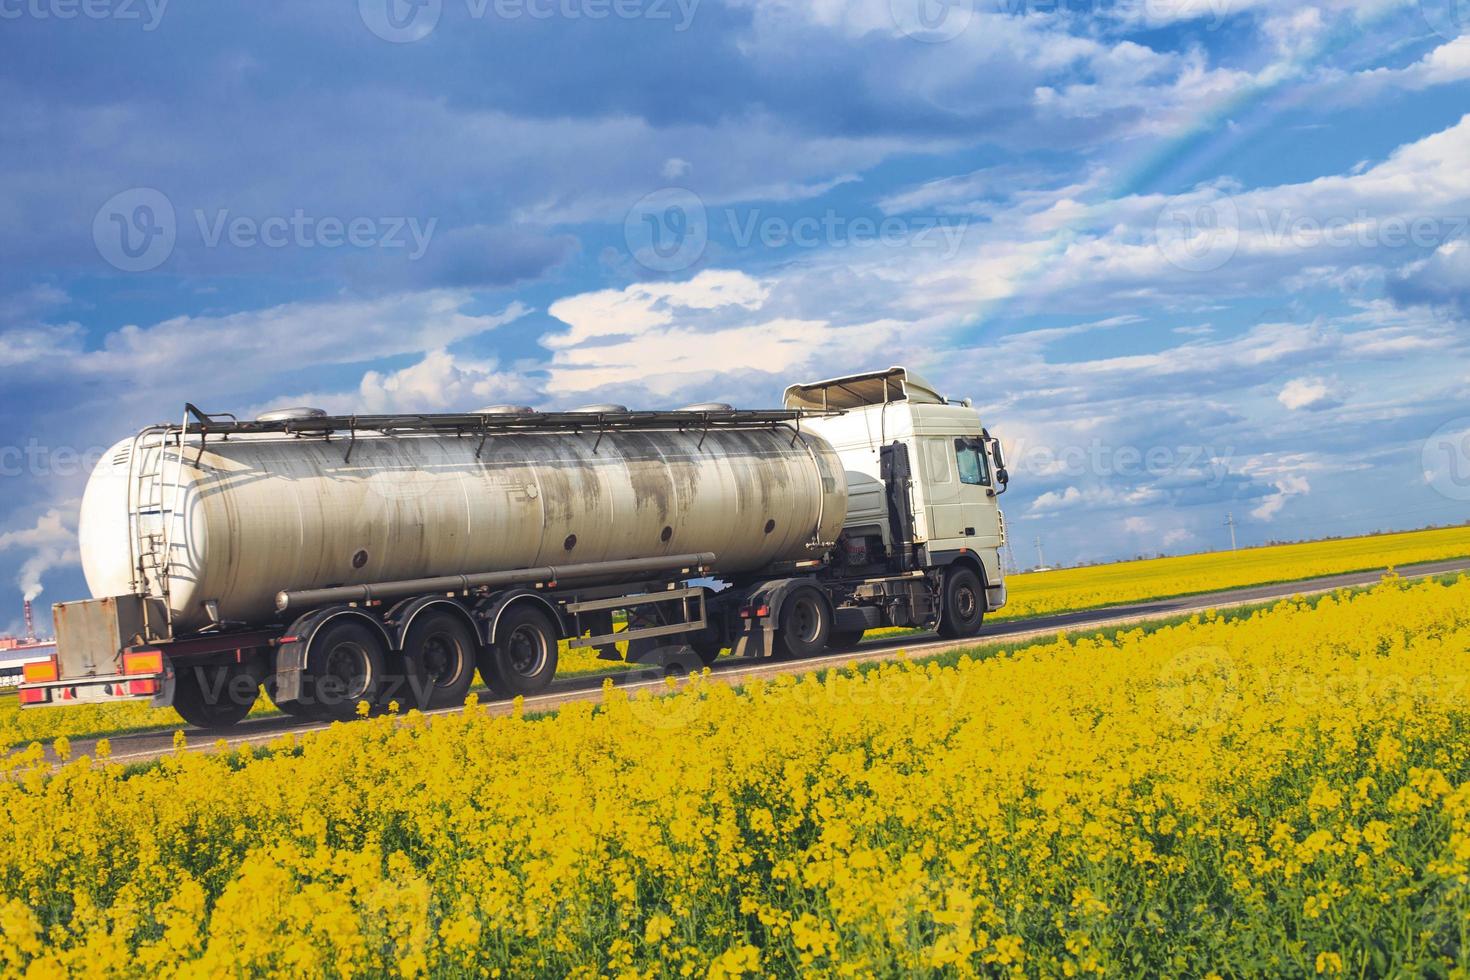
point(998, 453)
point(1002, 477)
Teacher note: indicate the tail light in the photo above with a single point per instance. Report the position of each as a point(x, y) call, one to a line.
point(41, 671)
point(143, 662)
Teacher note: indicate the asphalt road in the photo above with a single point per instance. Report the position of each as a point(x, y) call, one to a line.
point(144, 746)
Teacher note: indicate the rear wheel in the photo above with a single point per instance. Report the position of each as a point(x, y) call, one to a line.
point(439, 654)
point(523, 658)
point(215, 697)
point(344, 667)
point(805, 624)
point(964, 604)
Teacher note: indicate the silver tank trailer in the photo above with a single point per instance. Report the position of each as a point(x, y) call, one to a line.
point(256, 514)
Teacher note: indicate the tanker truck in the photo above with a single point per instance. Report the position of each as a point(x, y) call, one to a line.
point(334, 562)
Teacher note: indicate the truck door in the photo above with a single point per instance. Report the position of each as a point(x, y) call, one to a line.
point(975, 517)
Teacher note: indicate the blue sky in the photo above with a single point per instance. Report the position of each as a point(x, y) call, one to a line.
point(1189, 257)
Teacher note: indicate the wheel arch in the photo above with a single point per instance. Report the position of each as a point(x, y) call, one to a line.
point(494, 608)
point(295, 649)
point(400, 618)
point(970, 560)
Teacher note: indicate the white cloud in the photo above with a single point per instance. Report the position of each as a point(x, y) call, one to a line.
point(441, 383)
point(1312, 393)
point(670, 337)
point(1177, 537)
point(50, 542)
point(1286, 487)
point(1094, 498)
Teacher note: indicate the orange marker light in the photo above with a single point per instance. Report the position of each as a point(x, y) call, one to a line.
point(143, 662)
point(41, 671)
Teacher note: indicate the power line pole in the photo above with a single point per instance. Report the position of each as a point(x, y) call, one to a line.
point(1230, 523)
point(1040, 558)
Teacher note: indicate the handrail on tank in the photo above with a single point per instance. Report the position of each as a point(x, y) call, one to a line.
point(475, 422)
point(693, 564)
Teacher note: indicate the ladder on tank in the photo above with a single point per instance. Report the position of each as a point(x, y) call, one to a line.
point(151, 518)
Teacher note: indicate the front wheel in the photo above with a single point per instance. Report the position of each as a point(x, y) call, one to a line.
point(964, 604)
point(805, 624)
point(522, 660)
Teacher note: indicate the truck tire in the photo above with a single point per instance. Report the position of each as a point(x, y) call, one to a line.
point(805, 624)
point(439, 655)
point(964, 604)
point(522, 660)
point(345, 666)
point(215, 698)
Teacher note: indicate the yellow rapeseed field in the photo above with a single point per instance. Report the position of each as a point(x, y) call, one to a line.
point(1066, 589)
point(1285, 793)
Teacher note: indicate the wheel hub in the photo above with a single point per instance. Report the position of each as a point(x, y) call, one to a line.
point(526, 651)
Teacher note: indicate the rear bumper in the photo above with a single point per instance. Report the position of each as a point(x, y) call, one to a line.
point(93, 690)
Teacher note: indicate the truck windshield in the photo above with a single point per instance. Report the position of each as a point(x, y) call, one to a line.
point(974, 468)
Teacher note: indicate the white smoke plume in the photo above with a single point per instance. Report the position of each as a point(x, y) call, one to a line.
point(52, 542)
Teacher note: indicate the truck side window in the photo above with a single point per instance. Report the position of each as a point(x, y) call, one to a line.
point(974, 468)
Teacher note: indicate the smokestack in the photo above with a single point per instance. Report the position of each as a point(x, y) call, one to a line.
point(30, 623)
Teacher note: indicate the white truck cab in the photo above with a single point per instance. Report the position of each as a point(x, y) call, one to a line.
point(955, 469)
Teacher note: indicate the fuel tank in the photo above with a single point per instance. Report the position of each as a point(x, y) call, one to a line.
point(234, 521)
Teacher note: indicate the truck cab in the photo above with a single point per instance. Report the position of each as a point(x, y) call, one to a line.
point(924, 476)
